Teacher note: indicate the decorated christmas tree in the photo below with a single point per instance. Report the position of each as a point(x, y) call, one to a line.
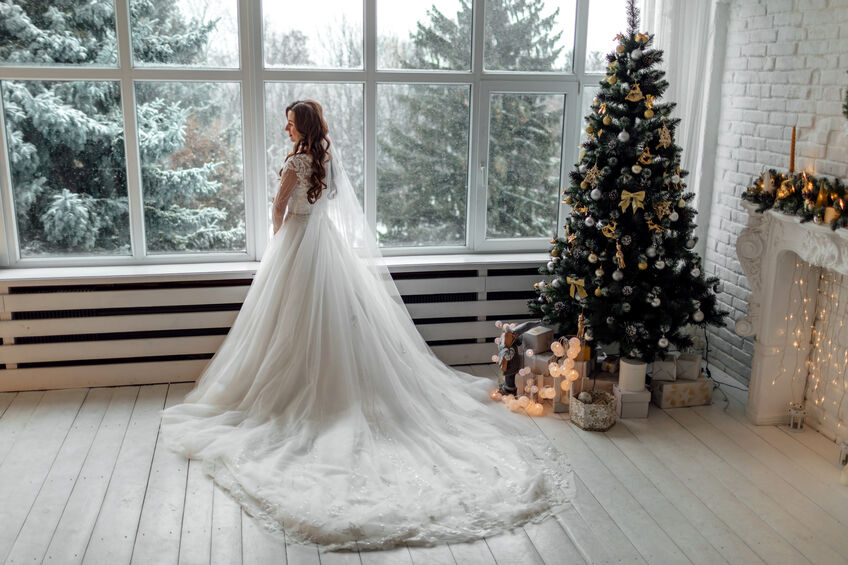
point(625, 268)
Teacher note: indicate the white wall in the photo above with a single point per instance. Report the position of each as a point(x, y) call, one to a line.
point(785, 65)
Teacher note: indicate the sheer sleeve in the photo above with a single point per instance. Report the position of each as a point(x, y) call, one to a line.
point(289, 181)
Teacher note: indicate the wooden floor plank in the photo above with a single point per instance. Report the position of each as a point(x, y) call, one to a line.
point(675, 524)
point(302, 554)
point(70, 538)
point(6, 399)
point(761, 484)
point(260, 546)
point(827, 449)
point(226, 529)
point(826, 495)
point(29, 461)
point(114, 532)
point(688, 458)
point(472, 553)
point(732, 548)
point(514, 547)
point(591, 548)
point(196, 527)
point(641, 528)
point(552, 543)
point(158, 537)
point(438, 555)
point(15, 419)
point(617, 545)
point(34, 536)
point(395, 556)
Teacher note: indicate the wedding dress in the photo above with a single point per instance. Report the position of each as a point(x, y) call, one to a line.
point(326, 415)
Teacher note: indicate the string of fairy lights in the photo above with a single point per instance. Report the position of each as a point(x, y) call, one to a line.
point(819, 380)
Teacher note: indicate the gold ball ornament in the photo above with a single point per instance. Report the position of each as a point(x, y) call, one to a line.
point(554, 252)
point(590, 129)
point(643, 265)
point(569, 200)
point(584, 185)
point(607, 120)
point(598, 291)
point(620, 49)
point(612, 79)
point(649, 113)
point(681, 203)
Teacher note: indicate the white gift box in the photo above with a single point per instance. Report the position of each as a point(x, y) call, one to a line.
point(631, 374)
point(664, 370)
point(631, 404)
point(539, 339)
point(688, 366)
point(538, 363)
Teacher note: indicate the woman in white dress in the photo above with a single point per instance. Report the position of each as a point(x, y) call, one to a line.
point(324, 412)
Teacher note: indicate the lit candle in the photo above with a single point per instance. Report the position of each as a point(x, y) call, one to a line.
point(792, 153)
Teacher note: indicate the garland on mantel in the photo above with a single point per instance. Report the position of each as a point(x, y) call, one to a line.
point(817, 199)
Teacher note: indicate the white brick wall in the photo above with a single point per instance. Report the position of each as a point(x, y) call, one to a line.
point(785, 65)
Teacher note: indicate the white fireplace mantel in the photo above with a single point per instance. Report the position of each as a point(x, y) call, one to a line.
point(768, 249)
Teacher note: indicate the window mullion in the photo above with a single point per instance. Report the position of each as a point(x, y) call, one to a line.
point(131, 149)
point(253, 124)
point(476, 210)
point(9, 247)
point(370, 28)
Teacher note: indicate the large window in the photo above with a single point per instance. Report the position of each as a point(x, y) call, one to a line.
point(150, 131)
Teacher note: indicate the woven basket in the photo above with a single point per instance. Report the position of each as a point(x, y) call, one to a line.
point(598, 416)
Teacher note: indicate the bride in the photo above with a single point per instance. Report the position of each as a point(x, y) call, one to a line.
point(324, 412)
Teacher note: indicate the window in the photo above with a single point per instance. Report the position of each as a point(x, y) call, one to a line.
point(150, 131)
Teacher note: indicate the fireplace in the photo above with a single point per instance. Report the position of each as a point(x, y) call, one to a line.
point(796, 314)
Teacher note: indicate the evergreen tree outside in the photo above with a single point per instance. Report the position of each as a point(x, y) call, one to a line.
point(626, 262)
point(66, 139)
point(423, 146)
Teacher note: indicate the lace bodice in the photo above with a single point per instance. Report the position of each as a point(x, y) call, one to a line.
point(302, 165)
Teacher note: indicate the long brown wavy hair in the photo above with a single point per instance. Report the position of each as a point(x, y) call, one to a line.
point(310, 123)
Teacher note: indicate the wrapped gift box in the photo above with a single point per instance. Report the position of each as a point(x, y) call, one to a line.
point(630, 404)
point(538, 363)
point(538, 339)
point(688, 366)
point(682, 393)
point(610, 364)
point(597, 416)
point(664, 370)
point(601, 381)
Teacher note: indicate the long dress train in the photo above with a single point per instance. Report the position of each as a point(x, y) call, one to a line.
point(325, 413)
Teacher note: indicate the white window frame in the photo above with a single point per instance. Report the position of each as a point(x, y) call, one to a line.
point(252, 76)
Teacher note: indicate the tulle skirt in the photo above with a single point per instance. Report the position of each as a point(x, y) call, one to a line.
point(325, 414)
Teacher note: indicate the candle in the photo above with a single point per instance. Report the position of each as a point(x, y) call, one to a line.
point(792, 153)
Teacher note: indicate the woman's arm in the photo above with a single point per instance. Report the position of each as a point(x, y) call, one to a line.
point(281, 200)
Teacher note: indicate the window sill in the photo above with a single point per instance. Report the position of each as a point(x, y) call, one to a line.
point(38, 276)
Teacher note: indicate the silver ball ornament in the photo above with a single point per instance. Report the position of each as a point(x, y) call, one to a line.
point(589, 221)
point(660, 264)
point(674, 216)
point(651, 252)
point(556, 283)
point(698, 316)
point(596, 194)
point(599, 272)
point(655, 302)
point(675, 179)
point(696, 272)
point(636, 169)
point(624, 137)
point(550, 266)
point(617, 275)
point(636, 54)
point(690, 243)
point(663, 342)
point(592, 258)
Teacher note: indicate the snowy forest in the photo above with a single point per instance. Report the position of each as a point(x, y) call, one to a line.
point(67, 149)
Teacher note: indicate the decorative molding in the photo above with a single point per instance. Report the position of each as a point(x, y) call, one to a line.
point(764, 248)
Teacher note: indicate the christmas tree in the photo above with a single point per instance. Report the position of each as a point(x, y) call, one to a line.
point(625, 268)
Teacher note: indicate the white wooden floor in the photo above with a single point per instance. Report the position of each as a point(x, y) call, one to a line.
point(84, 479)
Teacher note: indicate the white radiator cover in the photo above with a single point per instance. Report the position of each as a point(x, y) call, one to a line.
point(108, 331)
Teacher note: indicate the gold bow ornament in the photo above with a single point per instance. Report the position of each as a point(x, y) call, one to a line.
point(635, 199)
point(578, 286)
